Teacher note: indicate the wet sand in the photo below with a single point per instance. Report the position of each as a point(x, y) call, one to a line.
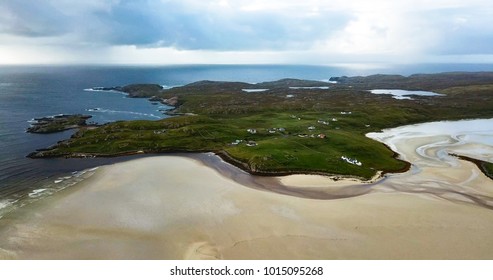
point(175, 207)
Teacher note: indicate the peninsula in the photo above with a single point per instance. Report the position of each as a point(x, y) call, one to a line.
point(288, 126)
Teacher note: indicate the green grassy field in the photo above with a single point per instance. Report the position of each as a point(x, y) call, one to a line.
point(488, 169)
point(288, 124)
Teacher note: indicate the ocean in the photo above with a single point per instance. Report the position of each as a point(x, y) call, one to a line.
point(28, 92)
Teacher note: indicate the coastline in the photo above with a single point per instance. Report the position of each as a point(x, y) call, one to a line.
point(149, 208)
point(229, 159)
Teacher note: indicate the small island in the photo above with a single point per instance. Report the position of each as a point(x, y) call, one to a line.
point(289, 126)
point(58, 123)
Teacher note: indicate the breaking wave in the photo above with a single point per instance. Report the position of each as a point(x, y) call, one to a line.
point(109, 111)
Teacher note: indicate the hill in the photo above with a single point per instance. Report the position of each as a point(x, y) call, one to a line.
point(293, 126)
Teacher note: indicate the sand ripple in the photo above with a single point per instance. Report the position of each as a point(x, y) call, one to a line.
point(175, 207)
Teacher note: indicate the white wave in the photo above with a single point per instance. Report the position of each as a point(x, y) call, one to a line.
point(77, 174)
point(100, 89)
point(74, 177)
point(5, 203)
point(97, 89)
point(36, 193)
point(100, 110)
point(33, 120)
point(170, 87)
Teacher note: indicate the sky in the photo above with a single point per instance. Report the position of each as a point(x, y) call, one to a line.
point(319, 32)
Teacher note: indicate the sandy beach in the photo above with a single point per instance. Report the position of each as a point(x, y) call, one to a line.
point(173, 207)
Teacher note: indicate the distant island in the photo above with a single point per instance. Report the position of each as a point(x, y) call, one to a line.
point(287, 126)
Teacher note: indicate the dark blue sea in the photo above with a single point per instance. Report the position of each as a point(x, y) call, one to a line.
point(28, 92)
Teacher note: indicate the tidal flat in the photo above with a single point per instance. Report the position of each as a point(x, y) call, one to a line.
point(151, 208)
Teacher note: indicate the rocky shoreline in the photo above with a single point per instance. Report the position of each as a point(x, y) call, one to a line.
point(58, 123)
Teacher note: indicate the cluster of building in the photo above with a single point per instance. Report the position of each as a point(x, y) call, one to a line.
point(270, 130)
point(248, 143)
point(161, 131)
point(301, 135)
point(274, 130)
point(326, 122)
point(351, 161)
point(321, 135)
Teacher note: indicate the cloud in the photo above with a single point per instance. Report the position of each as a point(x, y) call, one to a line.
point(220, 25)
point(463, 31)
point(31, 19)
point(287, 30)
